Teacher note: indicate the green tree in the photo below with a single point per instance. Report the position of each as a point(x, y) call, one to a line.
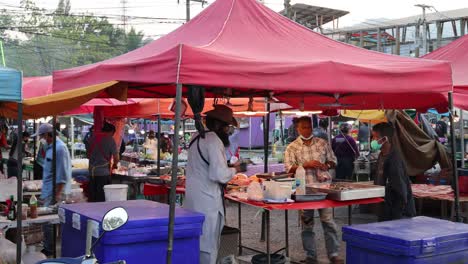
point(60, 39)
point(134, 39)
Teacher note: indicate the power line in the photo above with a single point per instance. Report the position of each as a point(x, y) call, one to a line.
point(103, 16)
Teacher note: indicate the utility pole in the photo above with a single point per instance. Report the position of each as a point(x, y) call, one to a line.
point(287, 8)
point(124, 14)
point(424, 39)
point(187, 10)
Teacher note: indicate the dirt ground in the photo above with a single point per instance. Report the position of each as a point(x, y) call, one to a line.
point(251, 230)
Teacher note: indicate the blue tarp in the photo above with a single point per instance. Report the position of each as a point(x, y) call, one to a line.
point(10, 85)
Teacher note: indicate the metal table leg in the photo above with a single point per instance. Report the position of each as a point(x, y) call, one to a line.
point(286, 230)
point(239, 214)
point(268, 250)
point(262, 232)
point(350, 209)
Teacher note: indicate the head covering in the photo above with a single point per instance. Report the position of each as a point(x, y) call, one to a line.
point(345, 127)
point(108, 127)
point(43, 129)
point(222, 113)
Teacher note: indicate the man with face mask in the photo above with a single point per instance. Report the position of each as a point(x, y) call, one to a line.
point(391, 173)
point(207, 171)
point(62, 181)
point(316, 157)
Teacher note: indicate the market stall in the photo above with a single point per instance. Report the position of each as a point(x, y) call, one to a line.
point(456, 53)
point(265, 53)
point(11, 93)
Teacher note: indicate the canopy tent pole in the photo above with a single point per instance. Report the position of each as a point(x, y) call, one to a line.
point(183, 128)
point(175, 159)
point(462, 139)
point(454, 159)
point(329, 129)
point(54, 181)
point(281, 127)
point(72, 135)
point(54, 161)
point(159, 145)
point(19, 193)
point(34, 140)
point(266, 128)
point(250, 136)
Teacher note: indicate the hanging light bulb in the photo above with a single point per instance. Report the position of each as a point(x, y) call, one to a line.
point(456, 118)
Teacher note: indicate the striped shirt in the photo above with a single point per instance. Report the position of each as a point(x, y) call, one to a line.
point(298, 153)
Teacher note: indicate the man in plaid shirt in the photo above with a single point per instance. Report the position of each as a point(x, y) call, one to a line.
point(316, 156)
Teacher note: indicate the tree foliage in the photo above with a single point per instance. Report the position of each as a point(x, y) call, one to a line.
point(38, 41)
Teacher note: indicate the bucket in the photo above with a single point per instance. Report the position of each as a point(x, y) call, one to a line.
point(463, 180)
point(116, 192)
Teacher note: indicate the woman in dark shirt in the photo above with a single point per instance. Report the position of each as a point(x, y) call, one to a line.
point(346, 151)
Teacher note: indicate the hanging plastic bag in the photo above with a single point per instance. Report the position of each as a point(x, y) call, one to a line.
point(255, 192)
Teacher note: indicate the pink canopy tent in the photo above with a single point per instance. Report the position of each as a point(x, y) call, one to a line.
point(42, 86)
point(244, 45)
point(457, 54)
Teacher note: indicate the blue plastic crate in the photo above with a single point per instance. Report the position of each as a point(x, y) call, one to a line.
point(143, 239)
point(419, 240)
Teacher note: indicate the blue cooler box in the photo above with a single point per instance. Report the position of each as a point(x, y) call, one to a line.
point(143, 239)
point(416, 240)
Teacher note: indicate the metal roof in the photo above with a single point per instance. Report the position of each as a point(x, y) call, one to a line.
point(412, 20)
point(314, 16)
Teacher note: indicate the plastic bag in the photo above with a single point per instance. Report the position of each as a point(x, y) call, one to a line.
point(8, 250)
point(255, 192)
point(32, 256)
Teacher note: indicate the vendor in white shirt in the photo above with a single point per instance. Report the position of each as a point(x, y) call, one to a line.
point(207, 171)
point(151, 145)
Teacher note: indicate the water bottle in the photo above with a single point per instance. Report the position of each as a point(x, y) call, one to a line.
point(300, 181)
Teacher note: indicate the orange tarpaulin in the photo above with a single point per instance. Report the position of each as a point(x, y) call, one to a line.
point(148, 108)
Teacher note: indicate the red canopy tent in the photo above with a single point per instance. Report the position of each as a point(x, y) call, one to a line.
point(457, 54)
point(244, 45)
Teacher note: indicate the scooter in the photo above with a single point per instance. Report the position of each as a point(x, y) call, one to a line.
point(111, 221)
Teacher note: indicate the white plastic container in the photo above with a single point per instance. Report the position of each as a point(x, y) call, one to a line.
point(276, 190)
point(116, 192)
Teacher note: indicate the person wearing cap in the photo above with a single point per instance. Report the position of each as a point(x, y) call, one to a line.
point(103, 156)
point(207, 172)
point(346, 151)
point(63, 174)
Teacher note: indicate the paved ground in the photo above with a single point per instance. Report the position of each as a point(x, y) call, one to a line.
point(251, 224)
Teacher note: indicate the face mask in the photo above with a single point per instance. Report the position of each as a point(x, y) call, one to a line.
point(376, 146)
point(308, 138)
point(43, 141)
